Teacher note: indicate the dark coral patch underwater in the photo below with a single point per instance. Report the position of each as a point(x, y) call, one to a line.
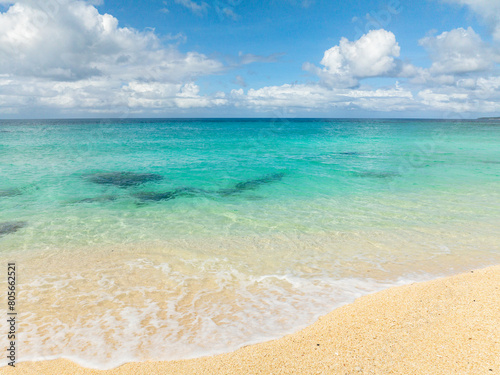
point(10, 192)
point(240, 187)
point(168, 195)
point(122, 179)
point(99, 199)
point(8, 227)
point(252, 184)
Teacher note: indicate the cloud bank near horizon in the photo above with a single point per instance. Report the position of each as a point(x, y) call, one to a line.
point(65, 57)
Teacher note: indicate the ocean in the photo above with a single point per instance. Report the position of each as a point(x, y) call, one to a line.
point(157, 239)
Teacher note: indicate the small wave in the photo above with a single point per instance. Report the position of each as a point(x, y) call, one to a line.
point(195, 309)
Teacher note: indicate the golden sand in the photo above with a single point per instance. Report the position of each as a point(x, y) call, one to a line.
point(445, 326)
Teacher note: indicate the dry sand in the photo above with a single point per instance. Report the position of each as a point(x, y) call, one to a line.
point(445, 326)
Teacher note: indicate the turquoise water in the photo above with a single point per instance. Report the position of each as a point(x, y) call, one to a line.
point(190, 237)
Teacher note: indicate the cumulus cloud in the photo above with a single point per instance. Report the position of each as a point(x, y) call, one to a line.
point(372, 55)
point(458, 51)
point(68, 54)
point(77, 42)
point(488, 10)
point(459, 58)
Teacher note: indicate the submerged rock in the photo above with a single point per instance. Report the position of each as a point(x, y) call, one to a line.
point(155, 196)
point(352, 153)
point(100, 199)
point(193, 192)
point(11, 226)
point(123, 179)
point(252, 184)
point(10, 192)
point(167, 195)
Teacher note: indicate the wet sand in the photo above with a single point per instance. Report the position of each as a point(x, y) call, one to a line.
point(445, 326)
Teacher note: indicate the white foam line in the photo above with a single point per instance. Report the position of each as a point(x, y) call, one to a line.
point(270, 315)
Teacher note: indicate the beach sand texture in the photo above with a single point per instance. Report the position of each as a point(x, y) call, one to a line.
point(445, 326)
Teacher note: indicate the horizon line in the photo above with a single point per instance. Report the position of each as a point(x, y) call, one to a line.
point(247, 118)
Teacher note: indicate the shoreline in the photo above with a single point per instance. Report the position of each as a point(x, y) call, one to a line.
point(446, 325)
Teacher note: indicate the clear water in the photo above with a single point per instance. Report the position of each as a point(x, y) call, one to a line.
point(255, 228)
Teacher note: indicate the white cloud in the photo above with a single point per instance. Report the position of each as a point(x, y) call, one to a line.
point(481, 95)
point(458, 51)
point(69, 55)
point(86, 96)
point(459, 59)
point(76, 42)
point(489, 10)
point(189, 98)
point(318, 97)
point(373, 55)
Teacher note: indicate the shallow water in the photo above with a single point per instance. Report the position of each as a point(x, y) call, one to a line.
point(160, 239)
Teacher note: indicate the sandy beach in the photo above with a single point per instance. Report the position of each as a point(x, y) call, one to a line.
point(445, 326)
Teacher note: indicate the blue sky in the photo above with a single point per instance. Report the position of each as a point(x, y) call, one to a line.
point(235, 58)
